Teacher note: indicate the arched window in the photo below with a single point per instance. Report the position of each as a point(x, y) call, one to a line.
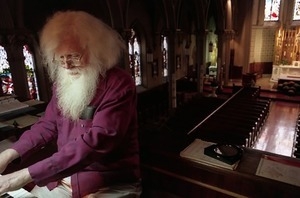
point(164, 56)
point(30, 71)
point(296, 15)
point(6, 78)
point(135, 58)
point(272, 8)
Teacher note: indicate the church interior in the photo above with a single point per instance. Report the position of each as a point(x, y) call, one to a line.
point(223, 71)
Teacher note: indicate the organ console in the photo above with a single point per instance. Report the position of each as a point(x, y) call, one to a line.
point(12, 109)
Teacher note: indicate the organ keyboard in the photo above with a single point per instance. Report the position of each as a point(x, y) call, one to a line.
point(21, 193)
point(9, 104)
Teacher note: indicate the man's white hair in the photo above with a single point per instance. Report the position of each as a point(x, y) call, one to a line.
point(103, 44)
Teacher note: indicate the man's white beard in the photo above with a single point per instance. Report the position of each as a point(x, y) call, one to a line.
point(76, 92)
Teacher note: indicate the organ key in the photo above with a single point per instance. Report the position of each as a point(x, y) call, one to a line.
point(21, 193)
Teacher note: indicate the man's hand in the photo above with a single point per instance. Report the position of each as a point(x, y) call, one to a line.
point(6, 157)
point(15, 180)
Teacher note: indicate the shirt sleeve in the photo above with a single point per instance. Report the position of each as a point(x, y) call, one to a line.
point(108, 133)
point(41, 133)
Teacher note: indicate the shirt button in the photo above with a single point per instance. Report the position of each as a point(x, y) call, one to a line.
point(82, 125)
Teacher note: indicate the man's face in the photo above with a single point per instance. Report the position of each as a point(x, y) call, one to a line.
point(71, 57)
point(76, 79)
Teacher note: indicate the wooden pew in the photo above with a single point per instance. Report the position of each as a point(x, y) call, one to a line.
point(231, 134)
point(238, 121)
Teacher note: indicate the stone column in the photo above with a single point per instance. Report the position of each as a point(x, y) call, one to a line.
point(201, 65)
point(171, 67)
point(17, 66)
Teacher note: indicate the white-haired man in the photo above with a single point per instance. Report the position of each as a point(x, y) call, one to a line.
point(91, 115)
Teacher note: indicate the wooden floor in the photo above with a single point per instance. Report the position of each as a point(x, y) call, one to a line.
point(277, 135)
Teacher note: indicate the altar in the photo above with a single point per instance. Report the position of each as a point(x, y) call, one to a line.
point(286, 72)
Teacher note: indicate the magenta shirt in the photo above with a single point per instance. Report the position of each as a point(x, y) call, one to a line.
point(96, 152)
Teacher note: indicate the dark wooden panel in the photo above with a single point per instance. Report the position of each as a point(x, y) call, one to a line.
point(261, 68)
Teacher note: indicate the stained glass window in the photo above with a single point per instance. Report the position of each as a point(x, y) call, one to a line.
point(165, 56)
point(296, 15)
point(134, 58)
point(31, 76)
point(5, 74)
point(272, 8)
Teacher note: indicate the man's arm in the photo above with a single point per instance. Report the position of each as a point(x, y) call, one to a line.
point(40, 133)
point(6, 157)
point(15, 180)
